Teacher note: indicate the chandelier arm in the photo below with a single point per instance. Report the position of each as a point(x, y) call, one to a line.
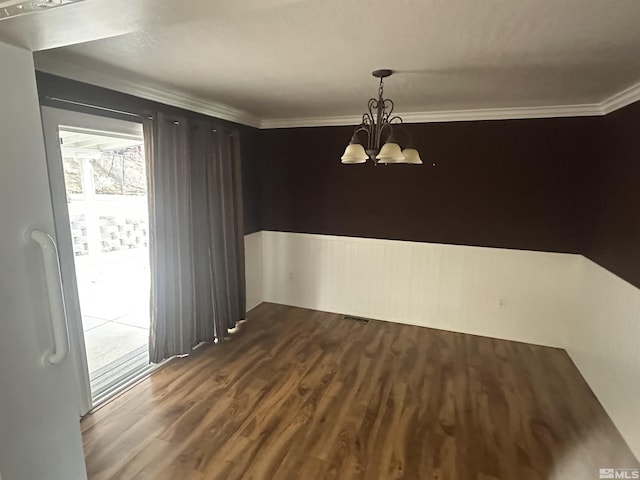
point(386, 112)
point(371, 106)
point(391, 105)
point(367, 120)
point(374, 107)
point(385, 125)
point(381, 114)
point(368, 126)
point(361, 128)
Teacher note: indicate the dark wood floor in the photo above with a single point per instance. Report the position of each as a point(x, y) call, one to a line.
point(304, 394)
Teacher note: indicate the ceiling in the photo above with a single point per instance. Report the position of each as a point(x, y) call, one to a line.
point(295, 62)
point(82, 140)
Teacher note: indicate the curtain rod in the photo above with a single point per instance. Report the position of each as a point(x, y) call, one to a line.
point(97, 107)
point(112, 110)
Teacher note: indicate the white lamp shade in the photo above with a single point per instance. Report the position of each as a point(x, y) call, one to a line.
point(390, 153)
point(354, 153)
point(412, 156)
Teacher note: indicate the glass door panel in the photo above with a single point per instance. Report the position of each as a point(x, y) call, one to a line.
point(101, 211)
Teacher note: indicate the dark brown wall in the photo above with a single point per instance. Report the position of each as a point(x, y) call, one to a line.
point(615, 228)
point(51, 87)
point(251, 180)
point(514, 184)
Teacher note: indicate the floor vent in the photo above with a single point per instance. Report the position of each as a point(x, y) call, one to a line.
point(357, 319)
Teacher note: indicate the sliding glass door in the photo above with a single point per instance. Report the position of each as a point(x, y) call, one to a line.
point(99, 194)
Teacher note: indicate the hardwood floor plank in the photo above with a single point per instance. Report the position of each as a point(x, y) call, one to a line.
point(296, 393)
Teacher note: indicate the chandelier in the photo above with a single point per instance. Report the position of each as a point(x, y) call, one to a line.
point(377, 126)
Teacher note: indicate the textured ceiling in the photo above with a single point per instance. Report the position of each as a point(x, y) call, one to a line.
point(278, 59)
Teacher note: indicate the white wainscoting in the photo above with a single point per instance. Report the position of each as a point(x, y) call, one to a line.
point(603, 340)
point(253, 269)
point(553, 299)
point(511, 294)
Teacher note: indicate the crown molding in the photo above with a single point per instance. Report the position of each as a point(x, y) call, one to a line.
point(446, 116)
point(615, 102)
point(184, 100)
point(621, 99)
point(148, 91)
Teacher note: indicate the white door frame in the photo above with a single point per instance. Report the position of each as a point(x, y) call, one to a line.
point(52, 118)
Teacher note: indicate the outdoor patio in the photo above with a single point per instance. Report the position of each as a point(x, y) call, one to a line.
point(114, 300)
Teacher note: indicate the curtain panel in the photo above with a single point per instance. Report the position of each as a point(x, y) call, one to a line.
point(196, 233)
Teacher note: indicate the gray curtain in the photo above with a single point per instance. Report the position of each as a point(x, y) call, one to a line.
point(196, 234)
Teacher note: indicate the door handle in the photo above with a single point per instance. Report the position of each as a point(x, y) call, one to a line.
point(55, 293)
